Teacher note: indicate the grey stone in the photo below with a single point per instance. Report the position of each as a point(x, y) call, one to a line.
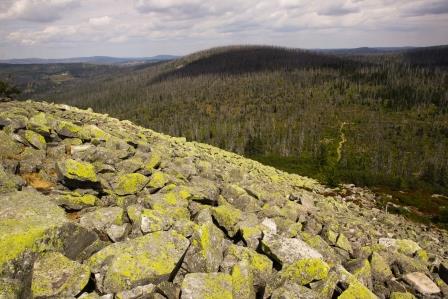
point(421, 283)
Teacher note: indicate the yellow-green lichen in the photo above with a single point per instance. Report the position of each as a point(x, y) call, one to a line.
point(158, 180)
point(401, 295)
point(422, 255)
point(130, 183)
point(407, 247)
point(208, 286)
point(305, 271)
point(242, 281)
point(54, 275)
point(149, 258)
point(154, 162)
point(380, 268)
point(251, 232)
point(25, 224)
point(69, 129)
point(39, 123)
point(259, 262)
point(96, 133)
point(357, 291)
point(79, 171)
point(344, 243)
point(35, 139)
point(227, 216)
point(73, 200)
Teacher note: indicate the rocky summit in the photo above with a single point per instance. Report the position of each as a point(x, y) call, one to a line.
point(95, 207)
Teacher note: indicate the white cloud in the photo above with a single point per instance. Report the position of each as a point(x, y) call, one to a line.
point(181, 26)
point(100, 21)
point(37, 10)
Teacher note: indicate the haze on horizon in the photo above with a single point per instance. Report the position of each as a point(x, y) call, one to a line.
point(124, 28)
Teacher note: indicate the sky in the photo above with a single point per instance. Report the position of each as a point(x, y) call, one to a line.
point(141, 28)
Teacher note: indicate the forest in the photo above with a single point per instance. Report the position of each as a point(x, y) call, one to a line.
point(377, 120)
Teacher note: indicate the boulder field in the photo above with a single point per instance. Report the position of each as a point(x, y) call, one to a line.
point(95, 207)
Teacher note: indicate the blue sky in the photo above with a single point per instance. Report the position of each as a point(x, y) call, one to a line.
point(69, 28)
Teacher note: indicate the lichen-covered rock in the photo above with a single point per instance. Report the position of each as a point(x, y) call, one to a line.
point(68, 129)
point(401, 295)
point(154, 220)
point(143, 197)
point(287, 250)
point(227, 217)
point(158, 180)
point(353, 288)
point(206, 251)
point(118, 232)
point(9, 149)
point(78, 171)
point(362, 270)
point(136, 293)
point(294, 291)
point(35, 139)
point(305, 271)
point(54, 275)
point(380, 269)
point(39, 124)
point(153, 162)
point(357, 291)
point(344, 243)
point(207, 285)
point(129, 183)
point(102, 218)
point(75, 200)
point(27, 219)
point(407, 247)
point(252, 235)
point(10, 288)
point(243, 281)
point(260, 264)
point(148, 259)
point(8, 183)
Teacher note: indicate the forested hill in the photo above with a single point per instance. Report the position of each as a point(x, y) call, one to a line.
point(239, 60)
point(379, 119)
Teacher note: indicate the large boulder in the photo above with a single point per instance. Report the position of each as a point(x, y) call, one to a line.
point(72, 170)
point(54, 275)
point(130, 183)
point(287, 250)
point(148, 259)
point(207, 285)
point(206, 251)
point(422, 283)
point(30, 223)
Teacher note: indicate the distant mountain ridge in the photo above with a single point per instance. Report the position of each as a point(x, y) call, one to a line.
point(92, 60)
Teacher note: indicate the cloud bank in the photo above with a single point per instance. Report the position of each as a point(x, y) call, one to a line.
point(61, 28)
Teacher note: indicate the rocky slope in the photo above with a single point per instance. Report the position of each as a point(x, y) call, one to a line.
point(94, 207)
